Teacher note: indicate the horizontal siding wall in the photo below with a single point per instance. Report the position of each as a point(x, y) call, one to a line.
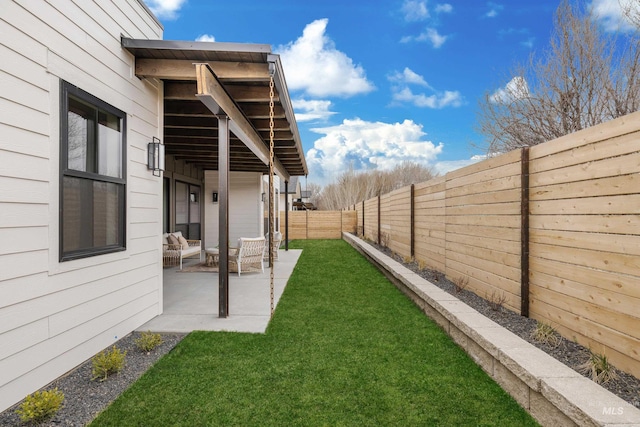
point(54, 315)
point(583, 233)
point(245, 207)
point(585, 238)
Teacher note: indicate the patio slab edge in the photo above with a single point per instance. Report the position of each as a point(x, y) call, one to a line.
point(553, 393)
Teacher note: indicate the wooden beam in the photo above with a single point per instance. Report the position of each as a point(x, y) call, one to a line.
point(186, 90)
point(182, 69)
point(213, 95)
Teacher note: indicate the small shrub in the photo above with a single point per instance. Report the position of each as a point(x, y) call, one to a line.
point(496, 300)
point(148, 341)
point(40, 406)
point(422, 265)
point(598, 368)
point(460, 283)
point(107, 362)
point(546, 334)
point(407, 259)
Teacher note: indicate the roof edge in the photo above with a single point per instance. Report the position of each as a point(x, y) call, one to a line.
point(130, 43)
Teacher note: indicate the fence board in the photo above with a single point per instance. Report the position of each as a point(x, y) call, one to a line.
point(621, 126)
point(593, 170)
point(624, 244)
point(596, 187)
point(607, 205)
point(590, 319)
point(324, 225)
point(551, 315)
point(613, 224)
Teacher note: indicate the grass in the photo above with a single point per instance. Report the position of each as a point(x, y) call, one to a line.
point(344, 348)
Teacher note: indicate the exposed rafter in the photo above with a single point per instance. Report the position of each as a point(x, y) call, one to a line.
point(212, 94)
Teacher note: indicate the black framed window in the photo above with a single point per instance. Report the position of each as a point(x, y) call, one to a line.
point(93, 175)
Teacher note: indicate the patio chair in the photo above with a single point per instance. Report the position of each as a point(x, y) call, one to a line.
point(249, 254)
point(277, 241)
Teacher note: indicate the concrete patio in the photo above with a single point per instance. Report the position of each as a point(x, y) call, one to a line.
point(191, 299)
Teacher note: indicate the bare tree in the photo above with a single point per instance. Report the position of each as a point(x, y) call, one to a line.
point(631, 11)
point(353, 187)
point(585, 77)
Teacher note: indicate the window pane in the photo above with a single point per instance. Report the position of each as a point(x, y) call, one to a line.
point(109, 145)
point(194, 204)
point(182, 203)
point(106, 221)
point(91, 217)
point(80, 136)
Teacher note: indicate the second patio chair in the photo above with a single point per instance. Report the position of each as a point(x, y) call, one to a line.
point(248, 256)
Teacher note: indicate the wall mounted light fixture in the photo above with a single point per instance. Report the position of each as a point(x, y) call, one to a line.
point(155, 159)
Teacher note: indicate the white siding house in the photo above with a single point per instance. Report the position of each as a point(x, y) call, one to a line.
point(85, 86)
point(55, 314)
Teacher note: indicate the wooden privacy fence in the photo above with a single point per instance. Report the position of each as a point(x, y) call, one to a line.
point(554, 230)
point(320, 224)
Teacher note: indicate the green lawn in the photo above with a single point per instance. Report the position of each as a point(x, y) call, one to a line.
point(345, 348)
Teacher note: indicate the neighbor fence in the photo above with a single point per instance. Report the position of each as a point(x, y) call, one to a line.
point(553, 230)
point(320, 224)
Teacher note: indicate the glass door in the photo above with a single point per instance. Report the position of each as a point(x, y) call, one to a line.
point(188, 197)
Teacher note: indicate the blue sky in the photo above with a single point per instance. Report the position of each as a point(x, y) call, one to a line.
point(374, 83)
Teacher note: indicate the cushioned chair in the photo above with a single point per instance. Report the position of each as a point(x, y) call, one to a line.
point(249, 255)
point(277, 241)
point(175, 247)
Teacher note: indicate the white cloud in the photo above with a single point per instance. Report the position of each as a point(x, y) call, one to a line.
point(610, 14)
point(516, 89)
point(408, 76)
point(314, 65)
point(415, 10)
point(528, 42)
point(430, 35)
point(444, 8)
point(308, 110)
point(368, 145)
point(205, 38)
point(402, 93)
point(494, 10)
point(165, 9)
point(437, 101)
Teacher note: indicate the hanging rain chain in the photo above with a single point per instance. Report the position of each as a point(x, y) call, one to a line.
point(271, 192)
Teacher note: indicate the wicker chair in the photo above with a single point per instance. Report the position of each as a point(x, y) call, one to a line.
point(172, 254)
point(277, 241)
point(249, 254)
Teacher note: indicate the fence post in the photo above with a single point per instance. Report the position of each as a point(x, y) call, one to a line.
point(363, 234)
point(524, 233)
point(413, 216)
point(378, 218)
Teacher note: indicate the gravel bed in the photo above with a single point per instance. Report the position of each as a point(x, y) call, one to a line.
point(568, 352)
point(83, 398)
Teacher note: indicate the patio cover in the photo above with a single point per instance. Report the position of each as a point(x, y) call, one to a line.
point(242, 72)
point(217, 114)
